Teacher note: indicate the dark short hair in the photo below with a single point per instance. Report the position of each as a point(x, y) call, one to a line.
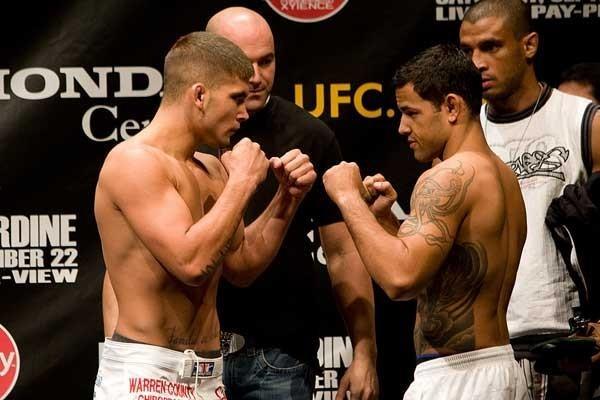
point(584, 73)
point(202, 57)
point(516, 14)
point(439, 71)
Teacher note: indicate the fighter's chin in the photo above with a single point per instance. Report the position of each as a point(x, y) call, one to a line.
point(422, 157)
point(224, 141)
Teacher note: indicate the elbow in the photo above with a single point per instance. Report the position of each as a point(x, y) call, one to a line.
point(196, 274)
point(243, 268)
point(196, 267)
point(238, 278)
point(193, 280)
point(401, 289)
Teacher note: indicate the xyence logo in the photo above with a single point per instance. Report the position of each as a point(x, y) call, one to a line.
point(9, 363)
point(307, 10)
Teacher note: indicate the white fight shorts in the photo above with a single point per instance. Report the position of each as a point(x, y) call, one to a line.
point(487, 374)
point(134, 371)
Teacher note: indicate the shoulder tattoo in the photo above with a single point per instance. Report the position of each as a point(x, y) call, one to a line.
point(436, 196)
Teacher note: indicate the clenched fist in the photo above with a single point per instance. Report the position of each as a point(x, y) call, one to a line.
point(295, 172)
point(344, 180)
point(246, 162)
point(381, 195)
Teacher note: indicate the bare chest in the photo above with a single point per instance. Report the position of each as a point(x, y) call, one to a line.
point(199, 188)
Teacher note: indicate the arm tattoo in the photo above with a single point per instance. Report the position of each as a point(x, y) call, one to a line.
point(209, 202)
point(445, 308)
point(221, 253)
point(435, 196)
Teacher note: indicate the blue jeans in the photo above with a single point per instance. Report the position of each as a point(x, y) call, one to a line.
point(255, 373)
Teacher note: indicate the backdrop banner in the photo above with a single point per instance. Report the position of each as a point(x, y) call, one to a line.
point(78, 77)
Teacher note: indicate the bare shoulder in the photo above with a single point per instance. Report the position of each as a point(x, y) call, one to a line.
point(446, 188)
point(496, 176)
point(132, 153)
point(494, 192)
point(486, 167)
point(454, 166)
point(462, 179)
point(129, 164)
point(441, 200)
point(453, 175)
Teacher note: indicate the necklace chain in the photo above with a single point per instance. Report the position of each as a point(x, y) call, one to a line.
point(537, 102)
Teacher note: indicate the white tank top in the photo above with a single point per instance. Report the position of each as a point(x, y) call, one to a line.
point(546, 157)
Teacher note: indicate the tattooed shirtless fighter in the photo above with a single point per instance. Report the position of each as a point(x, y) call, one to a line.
point(170, 223)
point(458, 251)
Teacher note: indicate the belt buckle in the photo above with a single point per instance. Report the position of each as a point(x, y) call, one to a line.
point(231, 342)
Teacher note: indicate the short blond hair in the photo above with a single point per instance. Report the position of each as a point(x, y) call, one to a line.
point(202, 57)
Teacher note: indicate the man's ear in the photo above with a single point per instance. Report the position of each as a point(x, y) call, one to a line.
point(199, 91)
point(454, 106)
point(530, 44)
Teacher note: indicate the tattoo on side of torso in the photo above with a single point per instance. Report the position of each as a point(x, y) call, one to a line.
point(445, 308)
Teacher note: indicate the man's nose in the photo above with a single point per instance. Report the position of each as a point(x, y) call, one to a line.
point(243, 114)
point(255, 78)
point(479, 60)
point(403, 128)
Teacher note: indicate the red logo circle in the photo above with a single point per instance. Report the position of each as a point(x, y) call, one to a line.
point(307, 10)
point(9, 363)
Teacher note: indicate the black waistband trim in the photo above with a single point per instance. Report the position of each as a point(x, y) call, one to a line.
point(421, 358)
point(117, 337)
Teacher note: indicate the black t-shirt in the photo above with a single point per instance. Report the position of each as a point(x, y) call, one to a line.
point(280, 307)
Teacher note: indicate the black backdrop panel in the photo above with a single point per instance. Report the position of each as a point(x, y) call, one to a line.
point(77, 77)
